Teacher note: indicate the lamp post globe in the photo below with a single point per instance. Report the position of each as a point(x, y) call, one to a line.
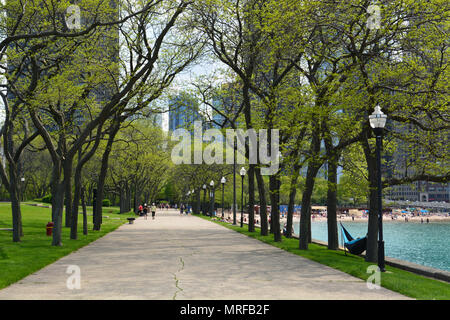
point(377, 122)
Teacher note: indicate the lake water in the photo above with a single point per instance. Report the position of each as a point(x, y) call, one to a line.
point(426, 244)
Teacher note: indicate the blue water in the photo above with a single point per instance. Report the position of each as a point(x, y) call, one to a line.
point(427, 244)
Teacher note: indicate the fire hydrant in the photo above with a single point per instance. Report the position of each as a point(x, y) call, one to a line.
point(50, 228)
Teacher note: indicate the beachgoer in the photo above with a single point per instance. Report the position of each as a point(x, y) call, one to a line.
point(153, 208)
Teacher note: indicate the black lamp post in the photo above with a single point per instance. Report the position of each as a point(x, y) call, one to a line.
point(211, 207)
point(193, 200)
point(204, 199)
point(222, 181)
point(22, 188)
point(242, 173)
point(188, 199)
point(377, 121)
point(234, 183)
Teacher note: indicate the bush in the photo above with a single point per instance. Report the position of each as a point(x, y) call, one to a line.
point(106, 203)
point(37, 200)
point(47, 199)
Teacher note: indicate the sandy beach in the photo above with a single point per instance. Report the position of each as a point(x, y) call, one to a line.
point(322, 218)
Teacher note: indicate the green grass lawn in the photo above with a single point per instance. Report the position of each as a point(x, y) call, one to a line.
point(34, 252)
point(404, 282)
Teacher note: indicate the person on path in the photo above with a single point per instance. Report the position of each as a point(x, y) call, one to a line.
point(145, 211)
point(153, 208)
point(140, 209)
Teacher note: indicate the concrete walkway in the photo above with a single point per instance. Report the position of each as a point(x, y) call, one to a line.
point(185, 257)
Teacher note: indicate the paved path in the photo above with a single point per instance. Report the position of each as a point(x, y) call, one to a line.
point(185, 257)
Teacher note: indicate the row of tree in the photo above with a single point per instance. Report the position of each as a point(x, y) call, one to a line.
point(314, 70)
point(75, 89)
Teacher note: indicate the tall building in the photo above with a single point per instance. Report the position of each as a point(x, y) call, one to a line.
point(183, 111)
point(403, 163)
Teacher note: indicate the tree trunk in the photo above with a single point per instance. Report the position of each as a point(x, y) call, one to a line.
point(83, 203)
point(102, 177)
point(76, 202)
point(292, 193)
point(309, 226)
point(16, 212)
point(262, 202)
point(251, 170)
point(123, 200)
point(68, 191)
point(56, 175)
point(197, 201)
point(333, 240)
point(128, 198)
point(275, 184)
point(313, 168)
point(58, 205)
point(77, 195)
point(305, 215)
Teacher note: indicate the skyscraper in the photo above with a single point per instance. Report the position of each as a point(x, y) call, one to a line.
point(183, 111)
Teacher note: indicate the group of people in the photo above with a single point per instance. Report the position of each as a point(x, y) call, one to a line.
point(144, 209)
point(184, 209)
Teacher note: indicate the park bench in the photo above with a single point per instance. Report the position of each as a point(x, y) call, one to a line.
point(130, 220)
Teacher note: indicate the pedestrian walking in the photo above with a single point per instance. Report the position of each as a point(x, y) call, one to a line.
point(153, 208)
point(145, 211)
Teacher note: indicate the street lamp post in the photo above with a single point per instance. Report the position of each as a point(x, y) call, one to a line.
point(222, 181)
point(377, 121)
point(188, 200)
point(234, 182)
point(22, 187)
point(212, 198)
point(242, 173)
point(193, 200)
point(204, 199)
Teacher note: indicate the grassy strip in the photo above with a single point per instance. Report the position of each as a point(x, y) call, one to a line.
point(17, 260)
point(401, 281)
